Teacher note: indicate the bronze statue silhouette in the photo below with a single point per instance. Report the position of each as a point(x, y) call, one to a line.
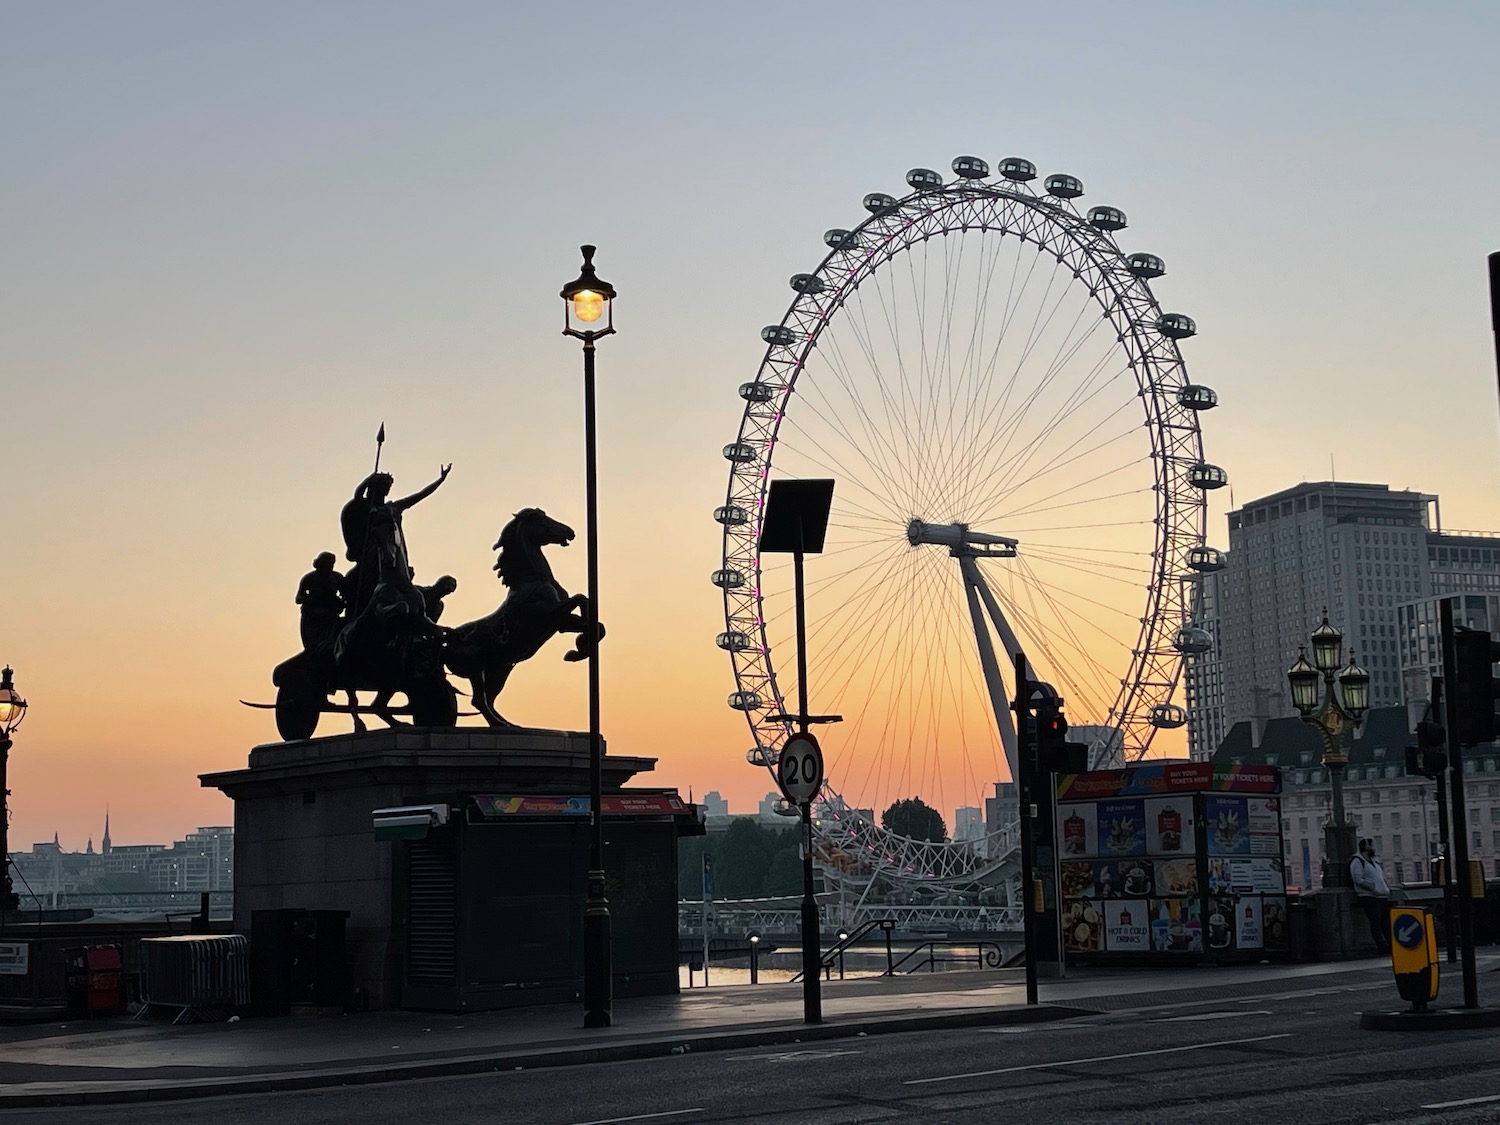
point(374, 629)
point(321, 596)
point(486, 651)
point(374, 540)
point(384, 641)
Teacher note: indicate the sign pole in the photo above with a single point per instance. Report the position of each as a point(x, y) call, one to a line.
point(812, 997)
point(1025, 776)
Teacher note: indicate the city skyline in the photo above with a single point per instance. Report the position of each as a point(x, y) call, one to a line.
point(239, 242)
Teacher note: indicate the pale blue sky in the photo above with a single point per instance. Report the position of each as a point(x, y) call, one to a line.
point(238, 236)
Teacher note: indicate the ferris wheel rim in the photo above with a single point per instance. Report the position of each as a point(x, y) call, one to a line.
point(1154, 358)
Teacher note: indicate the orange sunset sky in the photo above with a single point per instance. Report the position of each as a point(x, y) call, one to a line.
point(237, 240)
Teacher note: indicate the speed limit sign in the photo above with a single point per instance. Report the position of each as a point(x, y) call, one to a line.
point(800, 770)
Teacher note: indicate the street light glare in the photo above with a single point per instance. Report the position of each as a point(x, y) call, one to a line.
point(588, 305)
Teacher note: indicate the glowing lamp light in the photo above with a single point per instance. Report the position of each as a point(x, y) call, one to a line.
point(12, 706)
point(587, 300)
point(588, 305)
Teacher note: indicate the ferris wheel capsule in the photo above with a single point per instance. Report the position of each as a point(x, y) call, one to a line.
point(727, 578)
point(809, 283)
point(1017, 168)
point(841, 239)
point(1168, 716)
point(879, 203)
point(740, 452)
point(757, 391)
point(970, 167)
point(1206, 476)
point(731, 515)
point(1205, 559)
point(1195, 396)
point(923, 179)
point(1145, 266)
point(1191, 640)
point(732, 640)
point(1063, 186)
point(745, 700)
point(778, 334)
point(1176, 326)
point(766, 756)
point(1106, 218)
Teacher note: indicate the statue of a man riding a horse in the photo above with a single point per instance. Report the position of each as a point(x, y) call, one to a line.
point(374, 629)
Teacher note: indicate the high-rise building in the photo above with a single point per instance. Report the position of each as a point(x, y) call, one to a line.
point(1360, 550)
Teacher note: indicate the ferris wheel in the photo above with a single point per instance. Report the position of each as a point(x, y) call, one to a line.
point(1019, 463)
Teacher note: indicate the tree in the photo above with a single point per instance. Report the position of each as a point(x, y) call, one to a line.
point(916, 819)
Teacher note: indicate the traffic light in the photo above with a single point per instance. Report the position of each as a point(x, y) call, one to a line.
point(1428, 758)
point(1474, 685)
point(1055, 754)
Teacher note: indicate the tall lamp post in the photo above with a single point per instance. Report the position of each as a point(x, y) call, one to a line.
point(587, 300)
point(1333, 720)
point(12, 711)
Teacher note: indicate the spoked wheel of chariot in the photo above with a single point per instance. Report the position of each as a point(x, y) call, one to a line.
point(1004, 406)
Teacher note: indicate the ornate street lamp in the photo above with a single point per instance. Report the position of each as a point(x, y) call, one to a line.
point(1333, 720)
point(587, 300)
point(12, 711)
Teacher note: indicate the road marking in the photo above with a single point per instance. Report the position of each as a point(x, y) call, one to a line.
point(1200, 1016)
point(1095, 1059)
point(789, 1056)
point(1465, 1101)
point(640, 1117)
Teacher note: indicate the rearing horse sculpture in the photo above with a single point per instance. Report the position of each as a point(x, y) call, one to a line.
point(486, 651)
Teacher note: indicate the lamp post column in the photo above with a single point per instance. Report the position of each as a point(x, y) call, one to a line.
point(587, 300)
point(1338, 831)
point(598, 987)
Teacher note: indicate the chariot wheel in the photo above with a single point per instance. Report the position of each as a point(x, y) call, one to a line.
point(298, 708)
point(977, 363)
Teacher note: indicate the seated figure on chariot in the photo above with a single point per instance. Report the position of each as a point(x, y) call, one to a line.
point(321, 596)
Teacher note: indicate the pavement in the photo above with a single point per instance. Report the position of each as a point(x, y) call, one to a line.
point(120, 1060)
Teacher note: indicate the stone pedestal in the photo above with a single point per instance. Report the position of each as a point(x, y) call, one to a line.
point(1341, 930)
point(303, 827)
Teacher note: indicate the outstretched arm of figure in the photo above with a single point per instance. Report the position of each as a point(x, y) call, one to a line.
point(417, 497)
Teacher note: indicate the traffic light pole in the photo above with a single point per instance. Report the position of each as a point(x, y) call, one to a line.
point(1445, 840)
point(1460, 842)
point(1025, 779)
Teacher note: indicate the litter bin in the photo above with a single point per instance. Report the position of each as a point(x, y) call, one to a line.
point(93, 982)
point(1302, 944)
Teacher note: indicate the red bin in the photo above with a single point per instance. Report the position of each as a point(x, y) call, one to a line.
point(102, 964)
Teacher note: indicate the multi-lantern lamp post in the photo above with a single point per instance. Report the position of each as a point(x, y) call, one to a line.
point(1333, 720)
point(588, 300)
point(12, 711)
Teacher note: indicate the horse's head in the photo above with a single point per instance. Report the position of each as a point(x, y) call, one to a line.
point(521, 542)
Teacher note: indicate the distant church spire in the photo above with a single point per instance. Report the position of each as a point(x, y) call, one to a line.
point(90, 849)
point(104, 843)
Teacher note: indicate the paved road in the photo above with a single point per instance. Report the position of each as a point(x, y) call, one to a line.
point(1287, 1058)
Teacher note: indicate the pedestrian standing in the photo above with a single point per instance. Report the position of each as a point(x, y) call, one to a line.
point(1373, 891)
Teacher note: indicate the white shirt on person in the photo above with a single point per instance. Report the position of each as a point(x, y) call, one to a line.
point(1369, 877)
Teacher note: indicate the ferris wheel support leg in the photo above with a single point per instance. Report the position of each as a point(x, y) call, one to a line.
point(973, 585)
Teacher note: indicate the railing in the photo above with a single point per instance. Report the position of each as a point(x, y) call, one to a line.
point(782, 916)
point(986, 955)
point(221, 903)
point(835, 953)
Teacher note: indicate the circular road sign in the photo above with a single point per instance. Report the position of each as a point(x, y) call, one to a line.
point(800, 770)
point(1409, 931)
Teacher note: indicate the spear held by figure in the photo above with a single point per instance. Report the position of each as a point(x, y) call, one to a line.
point(379, 441)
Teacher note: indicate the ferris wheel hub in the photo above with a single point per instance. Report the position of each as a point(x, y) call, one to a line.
point(960, 539)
